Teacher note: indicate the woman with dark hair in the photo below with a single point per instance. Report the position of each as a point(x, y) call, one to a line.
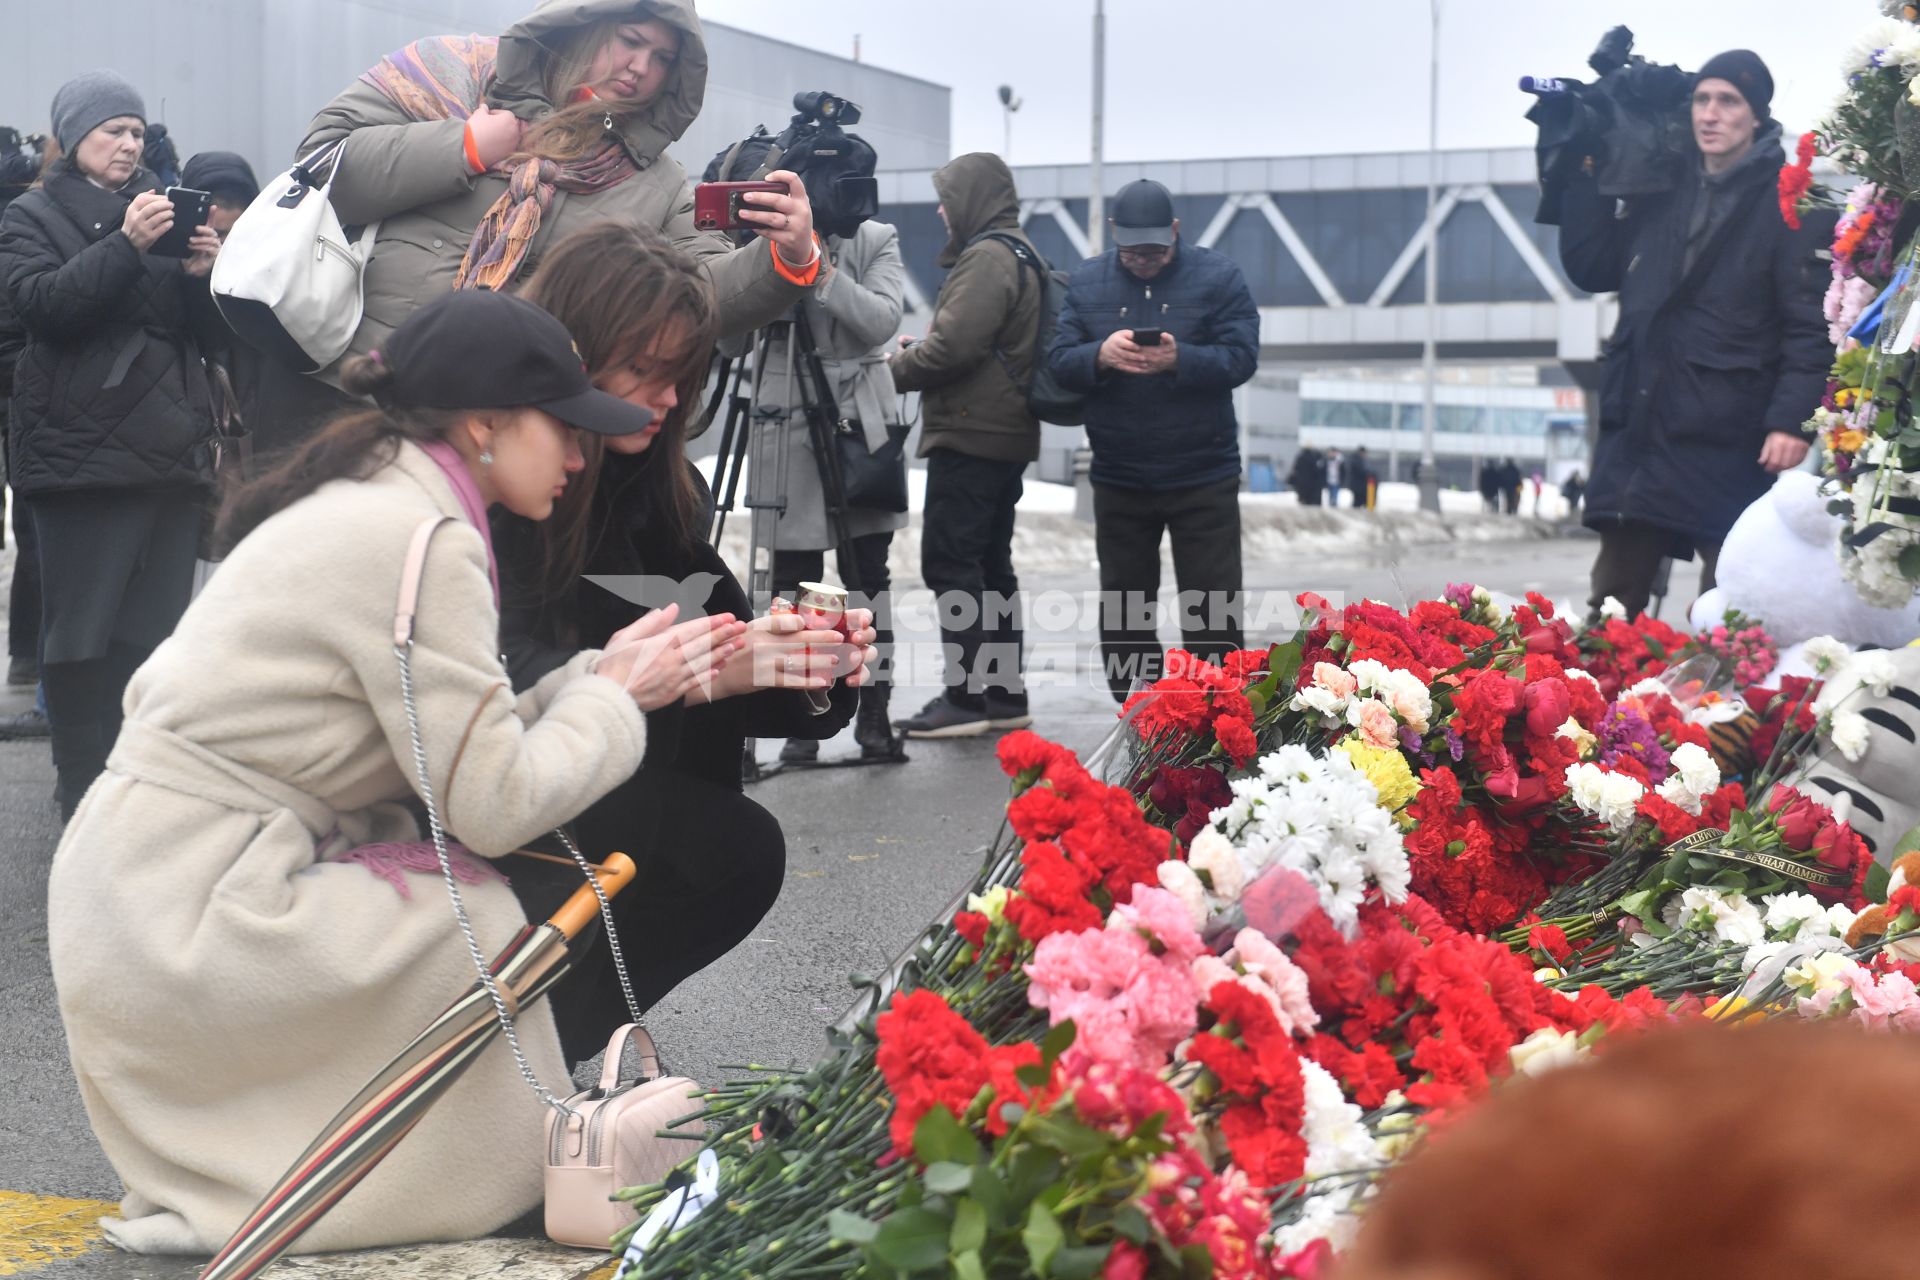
point(111, 425)
point(630, 538)
point(242, 920)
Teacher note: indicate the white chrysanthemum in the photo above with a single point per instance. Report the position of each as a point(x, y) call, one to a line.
point(1870, 49)
point(1850, 734)
point(1874, 669)
point(1321, 818)
point(1337, 1142)
point(1824, 653)
point(1698, 768)
point(1321, 701)
point(1797, 915)
point(1608, 797)
point(1612, 608)
point(1730, 917)
point(1214, 854)
point(1646, 688)
point(1546, 1050)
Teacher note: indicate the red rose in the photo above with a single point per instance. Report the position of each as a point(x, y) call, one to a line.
point(1548, 705)
point(1798, 816)
point(1127, 1261)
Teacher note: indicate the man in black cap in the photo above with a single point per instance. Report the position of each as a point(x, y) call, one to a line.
point(1721, 351)
point(1158, 334)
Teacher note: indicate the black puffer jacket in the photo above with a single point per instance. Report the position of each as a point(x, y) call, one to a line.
point(110, 391)
point(1719, 342)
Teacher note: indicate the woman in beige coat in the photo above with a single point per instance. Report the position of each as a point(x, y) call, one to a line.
point(240, 930)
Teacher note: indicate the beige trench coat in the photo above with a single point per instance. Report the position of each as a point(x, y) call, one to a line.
point(225, 987)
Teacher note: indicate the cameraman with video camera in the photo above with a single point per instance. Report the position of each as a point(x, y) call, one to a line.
point(1721, 350)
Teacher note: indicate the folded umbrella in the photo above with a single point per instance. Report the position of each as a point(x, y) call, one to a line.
point(395, 1100)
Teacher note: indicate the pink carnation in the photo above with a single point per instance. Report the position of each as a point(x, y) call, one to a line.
point(1129, 1006)
point(1165, 917)
point(1288, 982)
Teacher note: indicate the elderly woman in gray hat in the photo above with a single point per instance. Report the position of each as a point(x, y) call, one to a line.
point(111, 427)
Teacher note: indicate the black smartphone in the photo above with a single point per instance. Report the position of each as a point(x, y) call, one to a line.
point(1149, 337)
point(191, 209)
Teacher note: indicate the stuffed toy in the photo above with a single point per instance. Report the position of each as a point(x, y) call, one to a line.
point(1779, 567)
point(1868, 767)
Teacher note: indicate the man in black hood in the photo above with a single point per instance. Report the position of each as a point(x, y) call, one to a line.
point(1721, 352)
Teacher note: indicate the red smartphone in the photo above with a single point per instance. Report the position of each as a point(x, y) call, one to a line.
point(716, 205)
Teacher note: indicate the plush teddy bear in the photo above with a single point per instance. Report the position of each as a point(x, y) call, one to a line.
point(1867, 766)
point(1779, 566)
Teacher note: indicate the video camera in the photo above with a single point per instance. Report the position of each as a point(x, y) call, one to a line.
point(20, 159)
point(837, 166)
point(1632, 123)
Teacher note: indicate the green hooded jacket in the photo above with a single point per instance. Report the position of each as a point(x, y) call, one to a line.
point(976, 362)
point(412, 176)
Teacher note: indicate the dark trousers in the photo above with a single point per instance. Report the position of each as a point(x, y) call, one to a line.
point(1204, 524)
point(83, 714)
point(23, 597)
point(791, 568)
point(966, 560)
point(711, 865)
point(1629, 561)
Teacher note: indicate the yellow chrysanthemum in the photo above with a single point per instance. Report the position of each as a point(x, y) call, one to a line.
point(1387, 770)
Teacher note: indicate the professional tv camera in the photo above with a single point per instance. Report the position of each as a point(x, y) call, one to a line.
point(1632, 124)
point(837, 166)
point(20, 159)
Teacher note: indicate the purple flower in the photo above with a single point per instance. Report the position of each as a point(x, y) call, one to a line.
point(1456, 745)
point(1410, 741)
point(1460, 596)
point(1627, 734)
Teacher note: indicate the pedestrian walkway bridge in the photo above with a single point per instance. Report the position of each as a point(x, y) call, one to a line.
point(1333, 248)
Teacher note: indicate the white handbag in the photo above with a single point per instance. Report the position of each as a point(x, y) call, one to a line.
point(288, 278)
point(615, 1135)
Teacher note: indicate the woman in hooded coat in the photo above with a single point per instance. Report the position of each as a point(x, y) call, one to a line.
point(475, 154)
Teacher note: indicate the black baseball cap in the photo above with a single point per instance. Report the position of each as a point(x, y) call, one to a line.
point(1142, 214)
point(477, 349)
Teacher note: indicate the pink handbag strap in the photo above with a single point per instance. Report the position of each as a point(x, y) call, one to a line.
point(616, 1047)
point(410, 575)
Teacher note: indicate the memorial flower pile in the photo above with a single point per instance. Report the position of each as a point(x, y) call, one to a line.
point(1187, 1019)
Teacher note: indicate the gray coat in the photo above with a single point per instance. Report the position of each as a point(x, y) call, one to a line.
point(412, 176)
point(854, 313)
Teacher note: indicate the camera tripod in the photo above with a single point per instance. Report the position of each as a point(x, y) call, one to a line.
point(755, 439)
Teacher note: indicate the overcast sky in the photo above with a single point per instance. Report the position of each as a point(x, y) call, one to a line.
point(1214, 78)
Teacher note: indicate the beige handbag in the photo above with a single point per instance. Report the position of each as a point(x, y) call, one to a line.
point(606, 1138)
point(610, 1137)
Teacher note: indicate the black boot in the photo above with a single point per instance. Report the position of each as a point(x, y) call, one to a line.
point(871, 728)
point(800, 751)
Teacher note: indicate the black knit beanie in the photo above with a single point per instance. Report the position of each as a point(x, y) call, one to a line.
point(1742, 69)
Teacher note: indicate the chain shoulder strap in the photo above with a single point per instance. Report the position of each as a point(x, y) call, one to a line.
point(410, 581)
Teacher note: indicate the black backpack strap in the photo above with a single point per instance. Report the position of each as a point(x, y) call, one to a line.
point(1023, 255)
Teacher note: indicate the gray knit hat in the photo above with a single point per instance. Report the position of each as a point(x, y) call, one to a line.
point(88, 101)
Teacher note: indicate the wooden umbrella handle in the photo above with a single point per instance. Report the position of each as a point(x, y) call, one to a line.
point(615, 874)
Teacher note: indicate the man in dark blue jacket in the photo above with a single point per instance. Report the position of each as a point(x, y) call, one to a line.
point(1158, 334)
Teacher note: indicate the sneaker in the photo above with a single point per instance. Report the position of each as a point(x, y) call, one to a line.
point(28, 724)
point(945, 718)
point(800, 751)
point(1008, 711)
point(23, 672)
